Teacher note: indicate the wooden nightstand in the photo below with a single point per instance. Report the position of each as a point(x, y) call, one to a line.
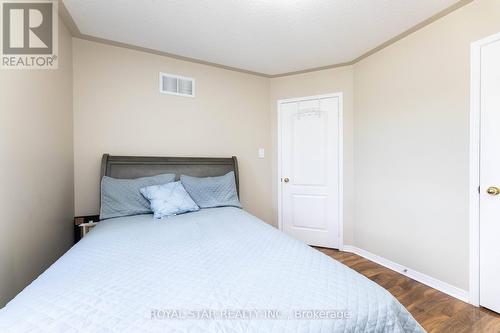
point(83, 224)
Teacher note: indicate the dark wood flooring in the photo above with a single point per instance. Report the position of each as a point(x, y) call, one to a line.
point(434, 310)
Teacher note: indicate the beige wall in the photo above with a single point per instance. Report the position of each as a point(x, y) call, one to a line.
point(119, 110)
point(411, 145)
point(317, 83)
point(36, 158)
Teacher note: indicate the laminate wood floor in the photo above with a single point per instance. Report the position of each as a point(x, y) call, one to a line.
point(434, 310)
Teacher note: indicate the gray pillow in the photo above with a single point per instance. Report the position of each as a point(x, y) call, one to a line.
point(122, 197)
point(211, 192)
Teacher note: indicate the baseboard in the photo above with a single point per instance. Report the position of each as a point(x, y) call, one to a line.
point(412, 274)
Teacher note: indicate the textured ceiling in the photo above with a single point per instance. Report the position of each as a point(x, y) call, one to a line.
point(265, 36)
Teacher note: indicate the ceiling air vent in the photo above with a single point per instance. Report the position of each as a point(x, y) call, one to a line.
point(176, 85)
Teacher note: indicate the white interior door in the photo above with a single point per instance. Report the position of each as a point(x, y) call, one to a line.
point(309, 131)
point(489, 250)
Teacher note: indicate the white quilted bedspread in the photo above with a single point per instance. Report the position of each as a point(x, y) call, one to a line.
point(216, 270)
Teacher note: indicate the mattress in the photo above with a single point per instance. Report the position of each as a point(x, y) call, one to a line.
point(216, 270)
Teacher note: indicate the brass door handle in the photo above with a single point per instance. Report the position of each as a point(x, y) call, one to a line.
point(286, 179)
point(493, 190)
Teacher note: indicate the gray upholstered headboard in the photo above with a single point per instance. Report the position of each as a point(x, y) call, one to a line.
point(128, 167)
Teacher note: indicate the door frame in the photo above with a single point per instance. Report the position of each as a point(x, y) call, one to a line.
point(340, 96)
point(474, 165)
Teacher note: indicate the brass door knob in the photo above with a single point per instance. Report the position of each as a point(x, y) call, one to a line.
point(493, 190)
point(286, 179)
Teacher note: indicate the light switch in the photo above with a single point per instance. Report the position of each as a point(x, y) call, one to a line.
point(261, 153)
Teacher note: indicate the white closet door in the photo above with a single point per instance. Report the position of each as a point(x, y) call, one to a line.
point(310, 170)
point(490, 178)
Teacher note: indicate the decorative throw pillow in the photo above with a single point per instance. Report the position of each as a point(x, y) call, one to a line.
point(121, 197)
point(169, 199)
point(211, 192)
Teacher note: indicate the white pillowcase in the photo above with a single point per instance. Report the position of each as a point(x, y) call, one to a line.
point(169, 199)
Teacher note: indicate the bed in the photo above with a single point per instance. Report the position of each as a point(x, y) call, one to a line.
point(214, 270)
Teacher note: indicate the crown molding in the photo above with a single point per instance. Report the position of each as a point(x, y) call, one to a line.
point(166, 54)
point(75, 32)
point(68, 19)
point(314, 69)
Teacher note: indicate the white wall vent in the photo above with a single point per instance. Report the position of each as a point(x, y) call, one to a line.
point(176, 85)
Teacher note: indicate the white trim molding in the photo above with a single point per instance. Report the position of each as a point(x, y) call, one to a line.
point(442, 286)
point(474, 165)
point(340, 96)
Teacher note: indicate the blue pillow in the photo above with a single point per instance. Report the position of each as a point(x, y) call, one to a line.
point(169, 199)
point(212, 191)
point(121, 197)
